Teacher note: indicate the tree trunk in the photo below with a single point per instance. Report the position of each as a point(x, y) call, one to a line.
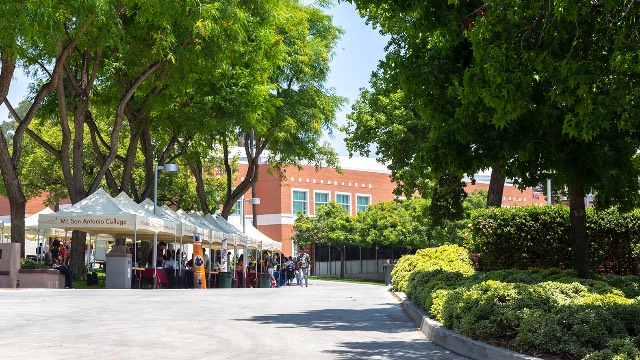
point(496, 185)
point(196, 169)
point(76, 263)
point(17, 203)
point(578, 217)
point(343, 263)
point(250, 178)
point(254, 207)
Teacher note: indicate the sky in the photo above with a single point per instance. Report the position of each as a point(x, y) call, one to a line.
point(356, 56)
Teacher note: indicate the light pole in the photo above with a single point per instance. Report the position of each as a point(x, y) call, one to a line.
point(252, 201)
point(170, 168)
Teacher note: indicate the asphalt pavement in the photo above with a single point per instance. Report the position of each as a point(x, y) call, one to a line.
point(327, 320)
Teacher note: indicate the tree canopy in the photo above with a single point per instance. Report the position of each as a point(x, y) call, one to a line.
point(546, 90)
point(120, 86)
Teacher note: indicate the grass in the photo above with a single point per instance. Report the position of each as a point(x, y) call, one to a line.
point(350, 280)
point(82, 283)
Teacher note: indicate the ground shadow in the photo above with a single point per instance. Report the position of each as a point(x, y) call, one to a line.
point(388, 319)
point(397, 350)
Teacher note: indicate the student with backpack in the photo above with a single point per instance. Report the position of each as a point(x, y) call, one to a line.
point(303, 272)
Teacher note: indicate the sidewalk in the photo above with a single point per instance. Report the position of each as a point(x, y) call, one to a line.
point(327, 320)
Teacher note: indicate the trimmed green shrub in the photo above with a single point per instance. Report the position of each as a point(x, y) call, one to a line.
point(31, 264)
point(539, 237)
point(619, 349)
point(451, 258)
point(541, 312)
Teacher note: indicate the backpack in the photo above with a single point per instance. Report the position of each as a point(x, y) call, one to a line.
point(48, 258)
point(304, 261)
point(92, 278)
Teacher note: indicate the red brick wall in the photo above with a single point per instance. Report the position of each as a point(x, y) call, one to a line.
point(512, 196)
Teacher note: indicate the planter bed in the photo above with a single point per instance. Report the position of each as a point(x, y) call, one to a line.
point(40, 278)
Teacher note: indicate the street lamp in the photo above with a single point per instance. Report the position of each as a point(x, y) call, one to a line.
point(170, 168)
point(252, 201)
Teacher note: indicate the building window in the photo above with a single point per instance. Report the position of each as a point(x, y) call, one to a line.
point(237, 210)
point(299, 201)
point(320, 199)
point(362, 201)
point(345, 201)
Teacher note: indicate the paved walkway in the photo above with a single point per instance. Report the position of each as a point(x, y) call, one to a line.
point(327, 320)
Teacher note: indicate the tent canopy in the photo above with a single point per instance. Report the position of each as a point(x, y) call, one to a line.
point(263, 241)
point(99, 213)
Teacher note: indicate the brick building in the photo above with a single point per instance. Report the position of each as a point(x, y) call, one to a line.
point(363, 182)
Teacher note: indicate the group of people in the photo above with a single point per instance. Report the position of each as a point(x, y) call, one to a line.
point(291, 268)
point(58, 258)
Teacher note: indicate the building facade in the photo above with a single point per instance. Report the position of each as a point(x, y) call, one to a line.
point(363, 182)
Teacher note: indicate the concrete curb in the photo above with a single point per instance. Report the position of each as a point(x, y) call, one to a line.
point(453, 341)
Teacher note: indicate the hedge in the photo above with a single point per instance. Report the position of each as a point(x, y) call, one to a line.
point(540, 312)
point(539, 237)
point(450, 258)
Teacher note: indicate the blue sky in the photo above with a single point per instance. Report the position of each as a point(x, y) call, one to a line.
point(357, 55)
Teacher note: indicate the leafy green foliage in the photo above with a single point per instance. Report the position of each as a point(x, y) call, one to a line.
point(446, 200)
point(403, 224)
point(451, 258)
point(332, 225)
point(546, 87)
point(475, 200)
point(539, 237)
point(540, 312)
point(31, 264)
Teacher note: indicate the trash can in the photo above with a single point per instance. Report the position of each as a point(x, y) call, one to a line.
point(118, 268)
point(387, 273)
point(225, 279)
point(265, 280)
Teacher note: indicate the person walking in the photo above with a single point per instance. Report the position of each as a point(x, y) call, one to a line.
point(303, 265)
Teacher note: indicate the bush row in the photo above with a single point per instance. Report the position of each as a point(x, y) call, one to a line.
point(448, 258)
point(540, 312)
point(539, 237)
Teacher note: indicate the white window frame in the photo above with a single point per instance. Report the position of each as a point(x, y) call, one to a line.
point(306, 203)
point(362, 196)
point(350, 197)
point(315, 205)
point(239, 205)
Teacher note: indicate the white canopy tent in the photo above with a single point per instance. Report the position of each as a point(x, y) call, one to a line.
point(31, 226)
point(266, 242)
point(99, 213)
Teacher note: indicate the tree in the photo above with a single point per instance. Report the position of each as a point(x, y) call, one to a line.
point(414, 113)
point(35, 32)
point(401, 224)
point(565, 67)
point(297, 107)
point(556, 77)
point(332, 226)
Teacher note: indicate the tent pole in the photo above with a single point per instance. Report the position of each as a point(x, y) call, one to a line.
point(181, 253)
point(175, 245)
point(280, 270)
point(244, 266)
